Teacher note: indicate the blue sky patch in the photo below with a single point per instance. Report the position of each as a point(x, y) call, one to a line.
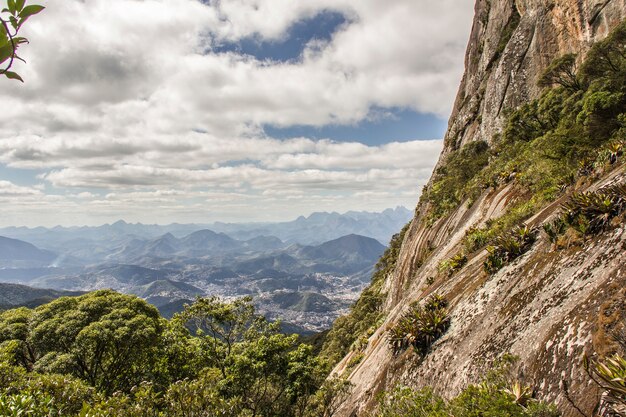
point(21, 177)
point(398, 125)
point(290, 47)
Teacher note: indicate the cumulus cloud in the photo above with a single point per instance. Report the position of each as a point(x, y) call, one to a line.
point(126, 104)
point(8, 189)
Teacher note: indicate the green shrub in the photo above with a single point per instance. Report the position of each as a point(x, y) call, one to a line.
point(403, 401)
point(327, 400)
point(450, 179)
point(476, 238)
point(450, 266)
point(32, 405)
point(356, 359)
point(509, 247)
point(591, 212)
point(497, 395)
point(421, 326)
point(562, 71)
point(555, 228)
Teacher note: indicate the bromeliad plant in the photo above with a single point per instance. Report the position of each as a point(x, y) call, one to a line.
point(450, 266)
point(610, 375)
point(509, 247)
point(591, 212)
point(421, 326)
point(555, 228)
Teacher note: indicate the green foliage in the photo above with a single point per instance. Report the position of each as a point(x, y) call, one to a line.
point(11, 20)
point(199, 397)
point(366, 313)
point(591, 212)
point(14, 330)
point(328, 398)
point(104, 338)
point(448, 187)
point(403, 401)
point(562, 71)
point(476, 238)
point(215, 358)
point(509, 247)
point(450, 266)
point(356, 359)
point(497, 395)
point(607, 57)
point(555, 228)
point(421, 326)
point(611, 376)
point(575, 129)
point(34, 405)
point(266, 372)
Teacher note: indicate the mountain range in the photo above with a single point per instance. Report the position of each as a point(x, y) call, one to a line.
point(308, 285)
point(93, 242)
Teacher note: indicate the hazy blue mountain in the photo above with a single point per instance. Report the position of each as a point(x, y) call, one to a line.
point(317, 280)
point(353, 248)
point(165, 292)
point(17, 253)
point(95, 243)
point(322, 226)
point(119, 277)
point(206, 241)
point(304, 301)
point(15, 295)
point(199, 244)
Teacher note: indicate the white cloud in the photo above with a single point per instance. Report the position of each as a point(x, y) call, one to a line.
point(116, 89)
point(8, 189)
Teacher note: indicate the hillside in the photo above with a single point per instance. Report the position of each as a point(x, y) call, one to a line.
point(14, 295)
point(518, 152)
point(15, 252)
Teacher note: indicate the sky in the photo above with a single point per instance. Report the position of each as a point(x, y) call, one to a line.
point(160, 111)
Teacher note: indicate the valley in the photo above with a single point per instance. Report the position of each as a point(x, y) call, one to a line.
point(303, 282)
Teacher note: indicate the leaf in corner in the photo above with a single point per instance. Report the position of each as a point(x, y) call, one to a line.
point(30, 10)
point(13, 76)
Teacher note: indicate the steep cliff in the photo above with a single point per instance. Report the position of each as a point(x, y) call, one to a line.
point(549, 306)
point(510, 44)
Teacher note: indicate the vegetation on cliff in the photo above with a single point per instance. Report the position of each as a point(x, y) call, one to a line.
point(498, 394)
point(550, 148)
point(576, 127)
point(420, 326)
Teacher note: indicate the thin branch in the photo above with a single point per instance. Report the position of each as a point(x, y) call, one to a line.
point(6, 28)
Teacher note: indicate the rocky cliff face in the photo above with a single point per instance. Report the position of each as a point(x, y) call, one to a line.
point(548, 307)
point(511, 43)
